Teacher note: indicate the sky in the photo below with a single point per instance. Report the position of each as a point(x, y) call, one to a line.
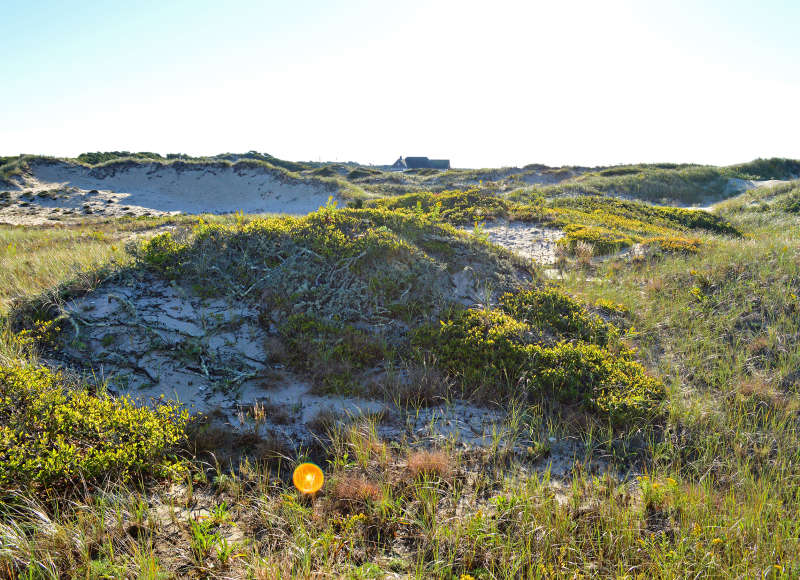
point(484, 84)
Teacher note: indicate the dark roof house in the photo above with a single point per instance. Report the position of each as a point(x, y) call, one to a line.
point(425, 163)
point(420, 163)
point(400, 164)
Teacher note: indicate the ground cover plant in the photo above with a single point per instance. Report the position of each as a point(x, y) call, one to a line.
point(671, 376)
point(55, 437)
point(606, 225)
point(671, 183)
point(540, 344)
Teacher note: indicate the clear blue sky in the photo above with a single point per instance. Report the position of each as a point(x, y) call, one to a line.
point(482, 83)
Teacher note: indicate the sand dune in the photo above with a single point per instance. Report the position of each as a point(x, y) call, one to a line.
point(58, 189)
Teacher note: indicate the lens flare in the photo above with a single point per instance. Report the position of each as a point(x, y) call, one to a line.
point(308, 478)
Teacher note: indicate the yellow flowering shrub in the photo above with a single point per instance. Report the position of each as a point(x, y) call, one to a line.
point(494, 351)
point(52, 437)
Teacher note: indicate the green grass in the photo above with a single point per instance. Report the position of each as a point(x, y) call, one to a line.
point(36, 259)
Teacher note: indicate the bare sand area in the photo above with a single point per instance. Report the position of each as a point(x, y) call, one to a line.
point(527, 240)
point(61, 190)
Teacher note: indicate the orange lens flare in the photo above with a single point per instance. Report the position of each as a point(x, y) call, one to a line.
point(308, 478)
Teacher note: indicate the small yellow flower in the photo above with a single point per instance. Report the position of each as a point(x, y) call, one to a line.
point(466, 577)
point(672, 482)
point(716, 541)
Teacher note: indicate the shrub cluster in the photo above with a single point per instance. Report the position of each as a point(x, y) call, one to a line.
point(608, 224)
point(52, 437)
point(455, 207)
point(558, 314)
point(582, 362)
point(673, 245)
point(335, 283)
point(602, 240)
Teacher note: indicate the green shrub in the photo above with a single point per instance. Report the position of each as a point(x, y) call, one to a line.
point(643, 213)
point(103, 157)
point(763, 169)
point(480, 347)
point(348, 264)
point(610, 383)
point(791, 202)
point(52, 437)
point(493, 353)
point(558, 314)
point(602, 240)
point(674, 245)
point(162, 251)
point(456, 207)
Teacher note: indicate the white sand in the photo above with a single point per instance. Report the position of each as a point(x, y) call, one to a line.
point(62, 190)
point(527, 240)
point(736, 186)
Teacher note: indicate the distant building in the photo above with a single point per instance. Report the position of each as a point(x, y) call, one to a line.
point(420, 163)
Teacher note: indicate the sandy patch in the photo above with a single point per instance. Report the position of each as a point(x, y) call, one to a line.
point(54, 191)
point(527, 240)
point(148, 339)
point(736, 186)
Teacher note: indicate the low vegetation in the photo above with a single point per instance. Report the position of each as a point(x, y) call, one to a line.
point(668, 183)
point(671, 375)
point(56, 436)
point(543, 346)
point(606, 225)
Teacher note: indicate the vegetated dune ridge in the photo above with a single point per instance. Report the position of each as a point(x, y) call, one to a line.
point(149, 336)
point(55, 188)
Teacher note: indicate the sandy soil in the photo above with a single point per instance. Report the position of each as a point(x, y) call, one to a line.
point(58, 191)
point(527, 240)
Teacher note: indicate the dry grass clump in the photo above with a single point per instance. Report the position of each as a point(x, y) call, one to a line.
point(757, 389)
point(583, 253)
point(324, 422)
point(430, 463)
point(353, 493)
point(417, 385)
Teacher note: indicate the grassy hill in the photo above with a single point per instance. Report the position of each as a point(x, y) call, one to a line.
point(667, 183)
